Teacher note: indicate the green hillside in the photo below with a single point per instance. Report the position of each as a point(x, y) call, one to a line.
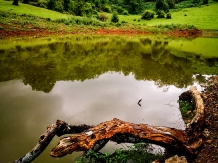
point(29, 9)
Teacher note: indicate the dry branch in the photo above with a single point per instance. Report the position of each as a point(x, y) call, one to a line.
point(59, 129)
point(167, 137)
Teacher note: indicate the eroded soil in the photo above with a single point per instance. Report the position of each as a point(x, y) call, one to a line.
point(29, 31)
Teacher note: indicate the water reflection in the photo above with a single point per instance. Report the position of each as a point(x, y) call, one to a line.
point(26, 112)
point(90, 80)
point(42, 65)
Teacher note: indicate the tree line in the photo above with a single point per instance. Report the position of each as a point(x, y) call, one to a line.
point(90, 7)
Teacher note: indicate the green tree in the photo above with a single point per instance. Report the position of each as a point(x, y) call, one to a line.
point(55, 5)
point(171, 3)
point(78, 6)
point(115, 18)
point(135, 6)
point(15, 2)
point(160, 14)
point(66, 5)
point(162, 5)
point(87, 9)
point(148, 14)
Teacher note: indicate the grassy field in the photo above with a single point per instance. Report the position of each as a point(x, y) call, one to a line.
point(204, 17)
point(28, 9)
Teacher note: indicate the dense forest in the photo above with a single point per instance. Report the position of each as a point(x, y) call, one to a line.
point(124, 7)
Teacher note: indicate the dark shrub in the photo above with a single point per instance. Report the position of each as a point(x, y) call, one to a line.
point(26, 1)
point(168, 15)
point(196, 1)
point(115, 18)
point(55, 5)
point(160, 14)
point(148, 14)
point(205, 2)
point(15, 2)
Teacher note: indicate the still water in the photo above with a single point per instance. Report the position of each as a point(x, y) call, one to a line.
point(91, 79)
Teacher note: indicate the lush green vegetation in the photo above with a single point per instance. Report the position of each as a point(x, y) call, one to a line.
point(130, 12)
point(186, 109)
point(138, 153)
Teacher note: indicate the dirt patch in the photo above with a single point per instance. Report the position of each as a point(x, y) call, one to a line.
point(185, 33)
point(209, 150)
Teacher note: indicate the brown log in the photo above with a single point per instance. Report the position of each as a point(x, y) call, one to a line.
point(167, 137)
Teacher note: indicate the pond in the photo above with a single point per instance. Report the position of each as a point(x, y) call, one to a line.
point(91, 79)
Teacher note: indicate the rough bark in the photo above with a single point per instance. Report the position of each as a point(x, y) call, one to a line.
point(59, 129)
point(95, 137)
point(167, 137)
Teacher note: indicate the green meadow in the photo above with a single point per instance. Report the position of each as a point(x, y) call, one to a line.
point(30, 10)
point(203, 17)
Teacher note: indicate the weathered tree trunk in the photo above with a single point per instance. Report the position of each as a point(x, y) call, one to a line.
point(95, 137)
point(59, 129)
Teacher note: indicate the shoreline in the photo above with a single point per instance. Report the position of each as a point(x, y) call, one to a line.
point(6, 32)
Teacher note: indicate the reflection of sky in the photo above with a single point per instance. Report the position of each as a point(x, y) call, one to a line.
point(116, 96)
point(26, 113)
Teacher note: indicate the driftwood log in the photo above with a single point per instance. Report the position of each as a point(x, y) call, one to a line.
point(182, 142)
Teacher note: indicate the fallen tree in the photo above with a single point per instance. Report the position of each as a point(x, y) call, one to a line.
point(182, 142)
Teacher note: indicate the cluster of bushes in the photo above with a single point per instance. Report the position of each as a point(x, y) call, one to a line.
point(81, 21)
point(149, 14)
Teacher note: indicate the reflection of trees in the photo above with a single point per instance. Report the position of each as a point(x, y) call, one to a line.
point(148, 59)
point(41, 78)
point(200, 78)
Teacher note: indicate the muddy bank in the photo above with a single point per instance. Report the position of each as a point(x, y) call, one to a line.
point(7, 32)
